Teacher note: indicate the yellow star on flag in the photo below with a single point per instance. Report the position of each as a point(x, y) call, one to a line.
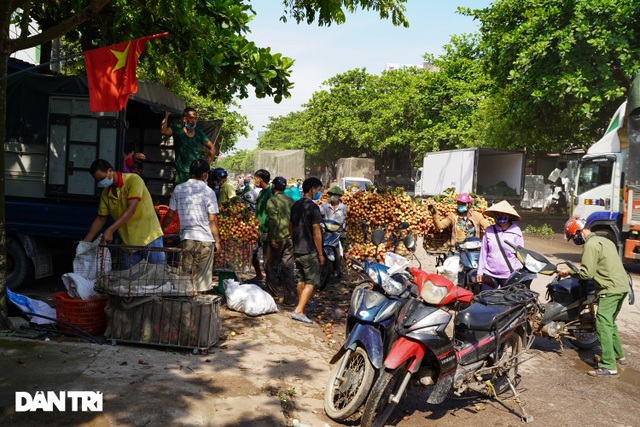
point(122, 58)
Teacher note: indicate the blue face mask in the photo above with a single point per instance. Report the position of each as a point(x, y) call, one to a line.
point(462, 208)
point(106, 182)
point(189, 127)
point(317, 195)
point(502, 220)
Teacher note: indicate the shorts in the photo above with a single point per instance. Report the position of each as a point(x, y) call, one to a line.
point(308, 269)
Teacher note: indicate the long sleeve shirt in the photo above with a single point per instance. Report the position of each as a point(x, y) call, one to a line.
point(279, 216)
point(491, 260)
point(601, 262)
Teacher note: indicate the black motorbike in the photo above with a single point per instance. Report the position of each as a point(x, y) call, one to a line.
point(570, 308)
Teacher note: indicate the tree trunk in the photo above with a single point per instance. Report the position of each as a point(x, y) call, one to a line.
point(4, 69)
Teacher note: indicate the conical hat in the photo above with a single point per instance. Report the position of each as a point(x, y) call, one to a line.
point(503, 207)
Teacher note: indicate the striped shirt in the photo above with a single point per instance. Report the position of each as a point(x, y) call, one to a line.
point(194, 201)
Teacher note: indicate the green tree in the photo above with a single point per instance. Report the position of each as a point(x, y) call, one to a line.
point(208, 47)
point(561, 68)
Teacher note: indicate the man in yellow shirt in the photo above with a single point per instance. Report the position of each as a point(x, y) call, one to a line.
point(127, 200)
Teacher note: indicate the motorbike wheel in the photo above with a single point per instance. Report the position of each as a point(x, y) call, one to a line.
point(379, 407)
point(584, 338)
point(325, 270)
point(509, 351)
point(343, 400)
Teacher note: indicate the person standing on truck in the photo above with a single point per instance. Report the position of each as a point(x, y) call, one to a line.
point(127, 200)
point(497, 258)
point(601, 262)
point(186, 142)
point(197, 209)
point(307, 244)
point(465, 223)
point(131, 163)
point(279, 246)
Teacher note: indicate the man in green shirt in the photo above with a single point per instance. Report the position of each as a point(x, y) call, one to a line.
point(261, 179)
point(186, 142)
point(601, 262)
point(279, 246)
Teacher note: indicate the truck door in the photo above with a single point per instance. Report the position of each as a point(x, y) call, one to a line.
point(595, 199)
point(77, 137)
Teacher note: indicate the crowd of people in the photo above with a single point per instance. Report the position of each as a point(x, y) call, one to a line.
point(290, 234)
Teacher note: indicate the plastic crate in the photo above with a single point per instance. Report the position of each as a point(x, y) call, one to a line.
point(88, 315)
point(174, 225)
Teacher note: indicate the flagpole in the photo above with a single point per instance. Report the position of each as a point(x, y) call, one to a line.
point(42, 65)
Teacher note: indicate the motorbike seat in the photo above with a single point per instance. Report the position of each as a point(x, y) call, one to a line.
point(481, 317)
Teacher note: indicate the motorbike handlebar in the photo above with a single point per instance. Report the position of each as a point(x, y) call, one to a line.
point(572, 266)
point(356, 262)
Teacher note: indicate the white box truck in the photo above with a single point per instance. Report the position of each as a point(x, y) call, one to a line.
point(492, 174)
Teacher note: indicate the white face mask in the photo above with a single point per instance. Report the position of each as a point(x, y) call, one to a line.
point(106, 182)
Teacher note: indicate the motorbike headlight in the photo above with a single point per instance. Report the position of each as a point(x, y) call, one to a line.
point(433, 294)
point(533, 264)
point(331, 255)
point(392, 287)
point(471, 246)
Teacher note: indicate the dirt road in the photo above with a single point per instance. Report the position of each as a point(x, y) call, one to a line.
point(274, 370)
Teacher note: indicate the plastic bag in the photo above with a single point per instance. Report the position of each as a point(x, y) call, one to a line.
point(248, 299)
point(79, 287)
point(28, 305)
point(450, 268)
point(90, 257)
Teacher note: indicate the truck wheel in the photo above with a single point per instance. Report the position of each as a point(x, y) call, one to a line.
point(19, 266)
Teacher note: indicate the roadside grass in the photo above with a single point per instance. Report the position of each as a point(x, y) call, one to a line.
point(543, 231)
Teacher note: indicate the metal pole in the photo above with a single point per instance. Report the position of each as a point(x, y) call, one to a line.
point(42, 65)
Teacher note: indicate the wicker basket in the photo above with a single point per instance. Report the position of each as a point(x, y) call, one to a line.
point(437, 242)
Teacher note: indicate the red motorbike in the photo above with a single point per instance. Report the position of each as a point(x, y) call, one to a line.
point(483, 355)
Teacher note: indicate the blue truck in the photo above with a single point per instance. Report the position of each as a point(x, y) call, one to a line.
point(52, 139)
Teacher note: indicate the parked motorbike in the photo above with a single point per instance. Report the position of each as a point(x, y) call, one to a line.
point(570, 309)
point(332, 251)
point(483, 355)
point(370, 331)
point(461, 266)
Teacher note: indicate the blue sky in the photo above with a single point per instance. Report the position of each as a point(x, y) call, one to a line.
point(364, 41)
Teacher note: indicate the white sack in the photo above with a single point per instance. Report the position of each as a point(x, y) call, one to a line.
point(248, 299)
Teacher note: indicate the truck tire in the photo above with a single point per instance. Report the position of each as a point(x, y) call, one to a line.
point(19, 266)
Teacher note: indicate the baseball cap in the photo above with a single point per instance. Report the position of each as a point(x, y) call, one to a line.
point(279, 183)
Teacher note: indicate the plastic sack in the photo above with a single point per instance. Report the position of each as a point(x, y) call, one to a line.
point(79, 287)
point(450, 268)
point(90, 257)
point(397, 261)
point(248, 299)
point(28, 305)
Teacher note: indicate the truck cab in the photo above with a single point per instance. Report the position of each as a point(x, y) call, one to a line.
point(598, 189)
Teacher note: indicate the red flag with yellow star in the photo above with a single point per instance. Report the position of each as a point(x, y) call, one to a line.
point(111, 73)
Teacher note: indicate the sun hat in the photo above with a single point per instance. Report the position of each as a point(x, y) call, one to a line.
point(503, 207)
point(335, 190)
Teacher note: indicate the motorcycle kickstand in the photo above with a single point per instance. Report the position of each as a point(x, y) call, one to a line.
point(516, 398)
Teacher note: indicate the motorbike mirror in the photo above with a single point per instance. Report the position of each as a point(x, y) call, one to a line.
point(377, 236)
point(409, 242)
point(403, 225)
point(572, 266)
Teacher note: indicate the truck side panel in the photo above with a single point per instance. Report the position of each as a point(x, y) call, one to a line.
point(495, 168)
point(445, 169)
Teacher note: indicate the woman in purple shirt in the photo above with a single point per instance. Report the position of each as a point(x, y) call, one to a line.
point(497, 258)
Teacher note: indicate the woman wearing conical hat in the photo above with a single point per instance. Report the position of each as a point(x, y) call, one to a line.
point(497, 258)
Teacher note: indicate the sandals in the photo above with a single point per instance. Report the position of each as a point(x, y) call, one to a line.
point(621, 362)
point(603, 373)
